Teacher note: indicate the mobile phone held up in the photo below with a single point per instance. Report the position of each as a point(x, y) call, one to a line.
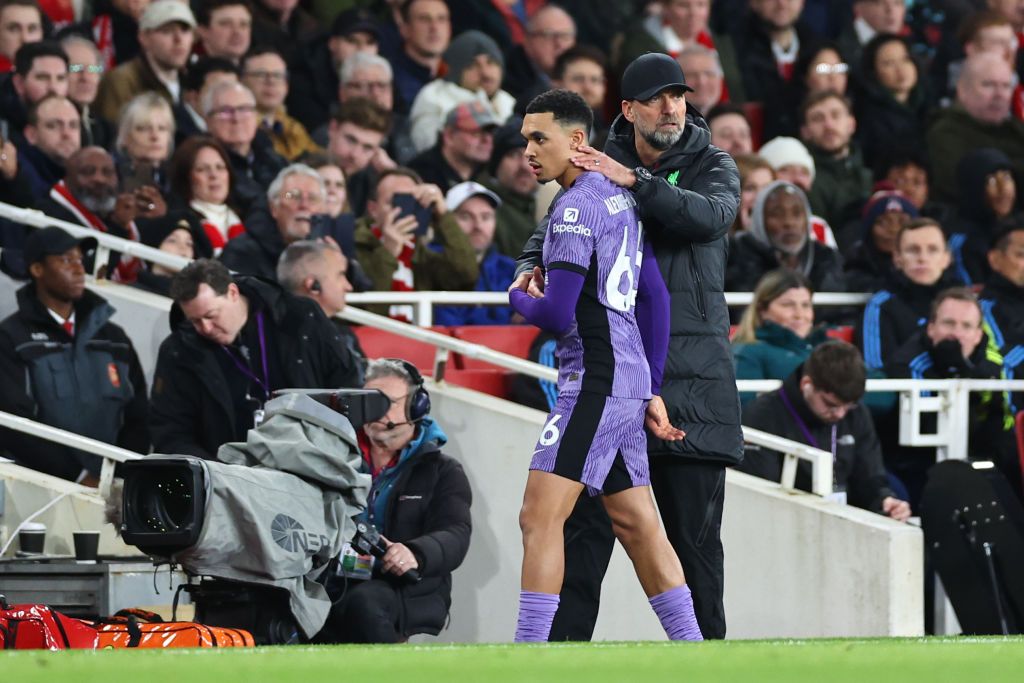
point(410, 207)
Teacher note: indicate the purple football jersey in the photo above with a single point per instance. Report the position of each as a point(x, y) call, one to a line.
point(594, 230)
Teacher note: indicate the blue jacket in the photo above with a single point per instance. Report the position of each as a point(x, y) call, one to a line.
point(496, 273)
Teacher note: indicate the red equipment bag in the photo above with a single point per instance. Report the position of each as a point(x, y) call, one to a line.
point(37, 627)
point(123, 630)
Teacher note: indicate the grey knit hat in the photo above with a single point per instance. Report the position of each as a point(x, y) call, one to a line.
point(462, 50)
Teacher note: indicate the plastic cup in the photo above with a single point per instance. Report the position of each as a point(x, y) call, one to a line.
point(87, 545)
point(32, 538)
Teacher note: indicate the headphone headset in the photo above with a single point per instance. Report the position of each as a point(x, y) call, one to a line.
point(315, 286)
point(418, 404)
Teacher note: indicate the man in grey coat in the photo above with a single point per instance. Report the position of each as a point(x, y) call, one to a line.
point(688, 193)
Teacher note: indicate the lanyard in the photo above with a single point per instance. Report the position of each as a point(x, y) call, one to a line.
point(803, 425)
point(264, 383)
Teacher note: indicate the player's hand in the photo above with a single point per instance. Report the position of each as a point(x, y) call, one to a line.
point(657, 421)
point(536, 288)
point(396, 232)
point(398, 559)
point(589, 159)
point(896, 509)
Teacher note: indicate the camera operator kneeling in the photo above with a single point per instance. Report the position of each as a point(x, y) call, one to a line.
point(420, 502)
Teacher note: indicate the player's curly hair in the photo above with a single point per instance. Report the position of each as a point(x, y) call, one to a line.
point(568, 108)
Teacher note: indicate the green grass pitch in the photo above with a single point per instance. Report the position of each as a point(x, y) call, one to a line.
point(935, 660)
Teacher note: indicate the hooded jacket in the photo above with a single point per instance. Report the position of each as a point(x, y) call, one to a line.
point(858, 467)
point(423, 502)
point(90, 383)
point(1002, 303)
point(970, 235)
point(686, 210)
point(192, 408)
point(753, 254)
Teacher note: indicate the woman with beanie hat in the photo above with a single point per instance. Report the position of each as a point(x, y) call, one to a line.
point(475, 68)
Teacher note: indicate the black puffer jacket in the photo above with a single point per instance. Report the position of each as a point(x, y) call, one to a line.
point(192, 409)
point(687, 210)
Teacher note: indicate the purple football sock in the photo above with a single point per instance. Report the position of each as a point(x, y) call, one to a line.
point(674, 608)
point(536, 612)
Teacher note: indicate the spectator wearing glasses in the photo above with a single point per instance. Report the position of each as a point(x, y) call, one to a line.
point(475, 65)
point(265, 73)
point(165, 36)
point(293, 198)
point(369, 77)
point(21, 22)
point(462, 149)
point(823, 68)
point(819, 404)
point(529, 67)
point(315, 77)
point(230, 111)
point(202, 75)
point(85, 69)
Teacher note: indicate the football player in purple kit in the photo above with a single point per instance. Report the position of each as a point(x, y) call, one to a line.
point(604, 296)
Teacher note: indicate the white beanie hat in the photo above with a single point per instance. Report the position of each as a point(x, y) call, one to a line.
point(783, 151)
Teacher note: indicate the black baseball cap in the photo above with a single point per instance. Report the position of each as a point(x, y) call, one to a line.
point(649, 74)
point(53, 241)
point(355, 20)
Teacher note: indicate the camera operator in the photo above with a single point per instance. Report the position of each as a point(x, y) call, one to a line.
point(420, 502)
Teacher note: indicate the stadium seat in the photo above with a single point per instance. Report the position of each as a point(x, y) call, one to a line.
point(755, 116)
point(491, 381)
point(514, 340)
point(378, 343)
point(843, 333)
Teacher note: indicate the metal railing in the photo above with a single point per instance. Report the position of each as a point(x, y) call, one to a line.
point(422, 302)
point(111, 454)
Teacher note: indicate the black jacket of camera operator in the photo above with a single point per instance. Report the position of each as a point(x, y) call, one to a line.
point(193, 407)
point(428, 511)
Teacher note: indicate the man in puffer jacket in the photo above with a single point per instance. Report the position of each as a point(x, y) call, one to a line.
point(687, 192)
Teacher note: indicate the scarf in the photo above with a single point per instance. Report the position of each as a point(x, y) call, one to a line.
point(220, 223)
point(401, 279)
point(128, 267)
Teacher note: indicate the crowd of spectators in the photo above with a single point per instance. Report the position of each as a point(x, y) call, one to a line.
point(321, 148)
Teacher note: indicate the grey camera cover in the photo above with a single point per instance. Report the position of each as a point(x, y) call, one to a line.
point(279, 506)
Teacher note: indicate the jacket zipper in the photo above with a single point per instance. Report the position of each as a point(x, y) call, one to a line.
point(698, 283)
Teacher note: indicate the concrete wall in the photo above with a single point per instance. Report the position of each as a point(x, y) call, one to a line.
point(796, 565)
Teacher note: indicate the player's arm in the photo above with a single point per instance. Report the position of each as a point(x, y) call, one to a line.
point(553, 312)
point(652, 315)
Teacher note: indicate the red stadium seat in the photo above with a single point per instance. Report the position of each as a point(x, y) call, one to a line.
point(755, 116)
point(844, 333)
point(514, 340)
point(378, 343)
point(486, 380)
